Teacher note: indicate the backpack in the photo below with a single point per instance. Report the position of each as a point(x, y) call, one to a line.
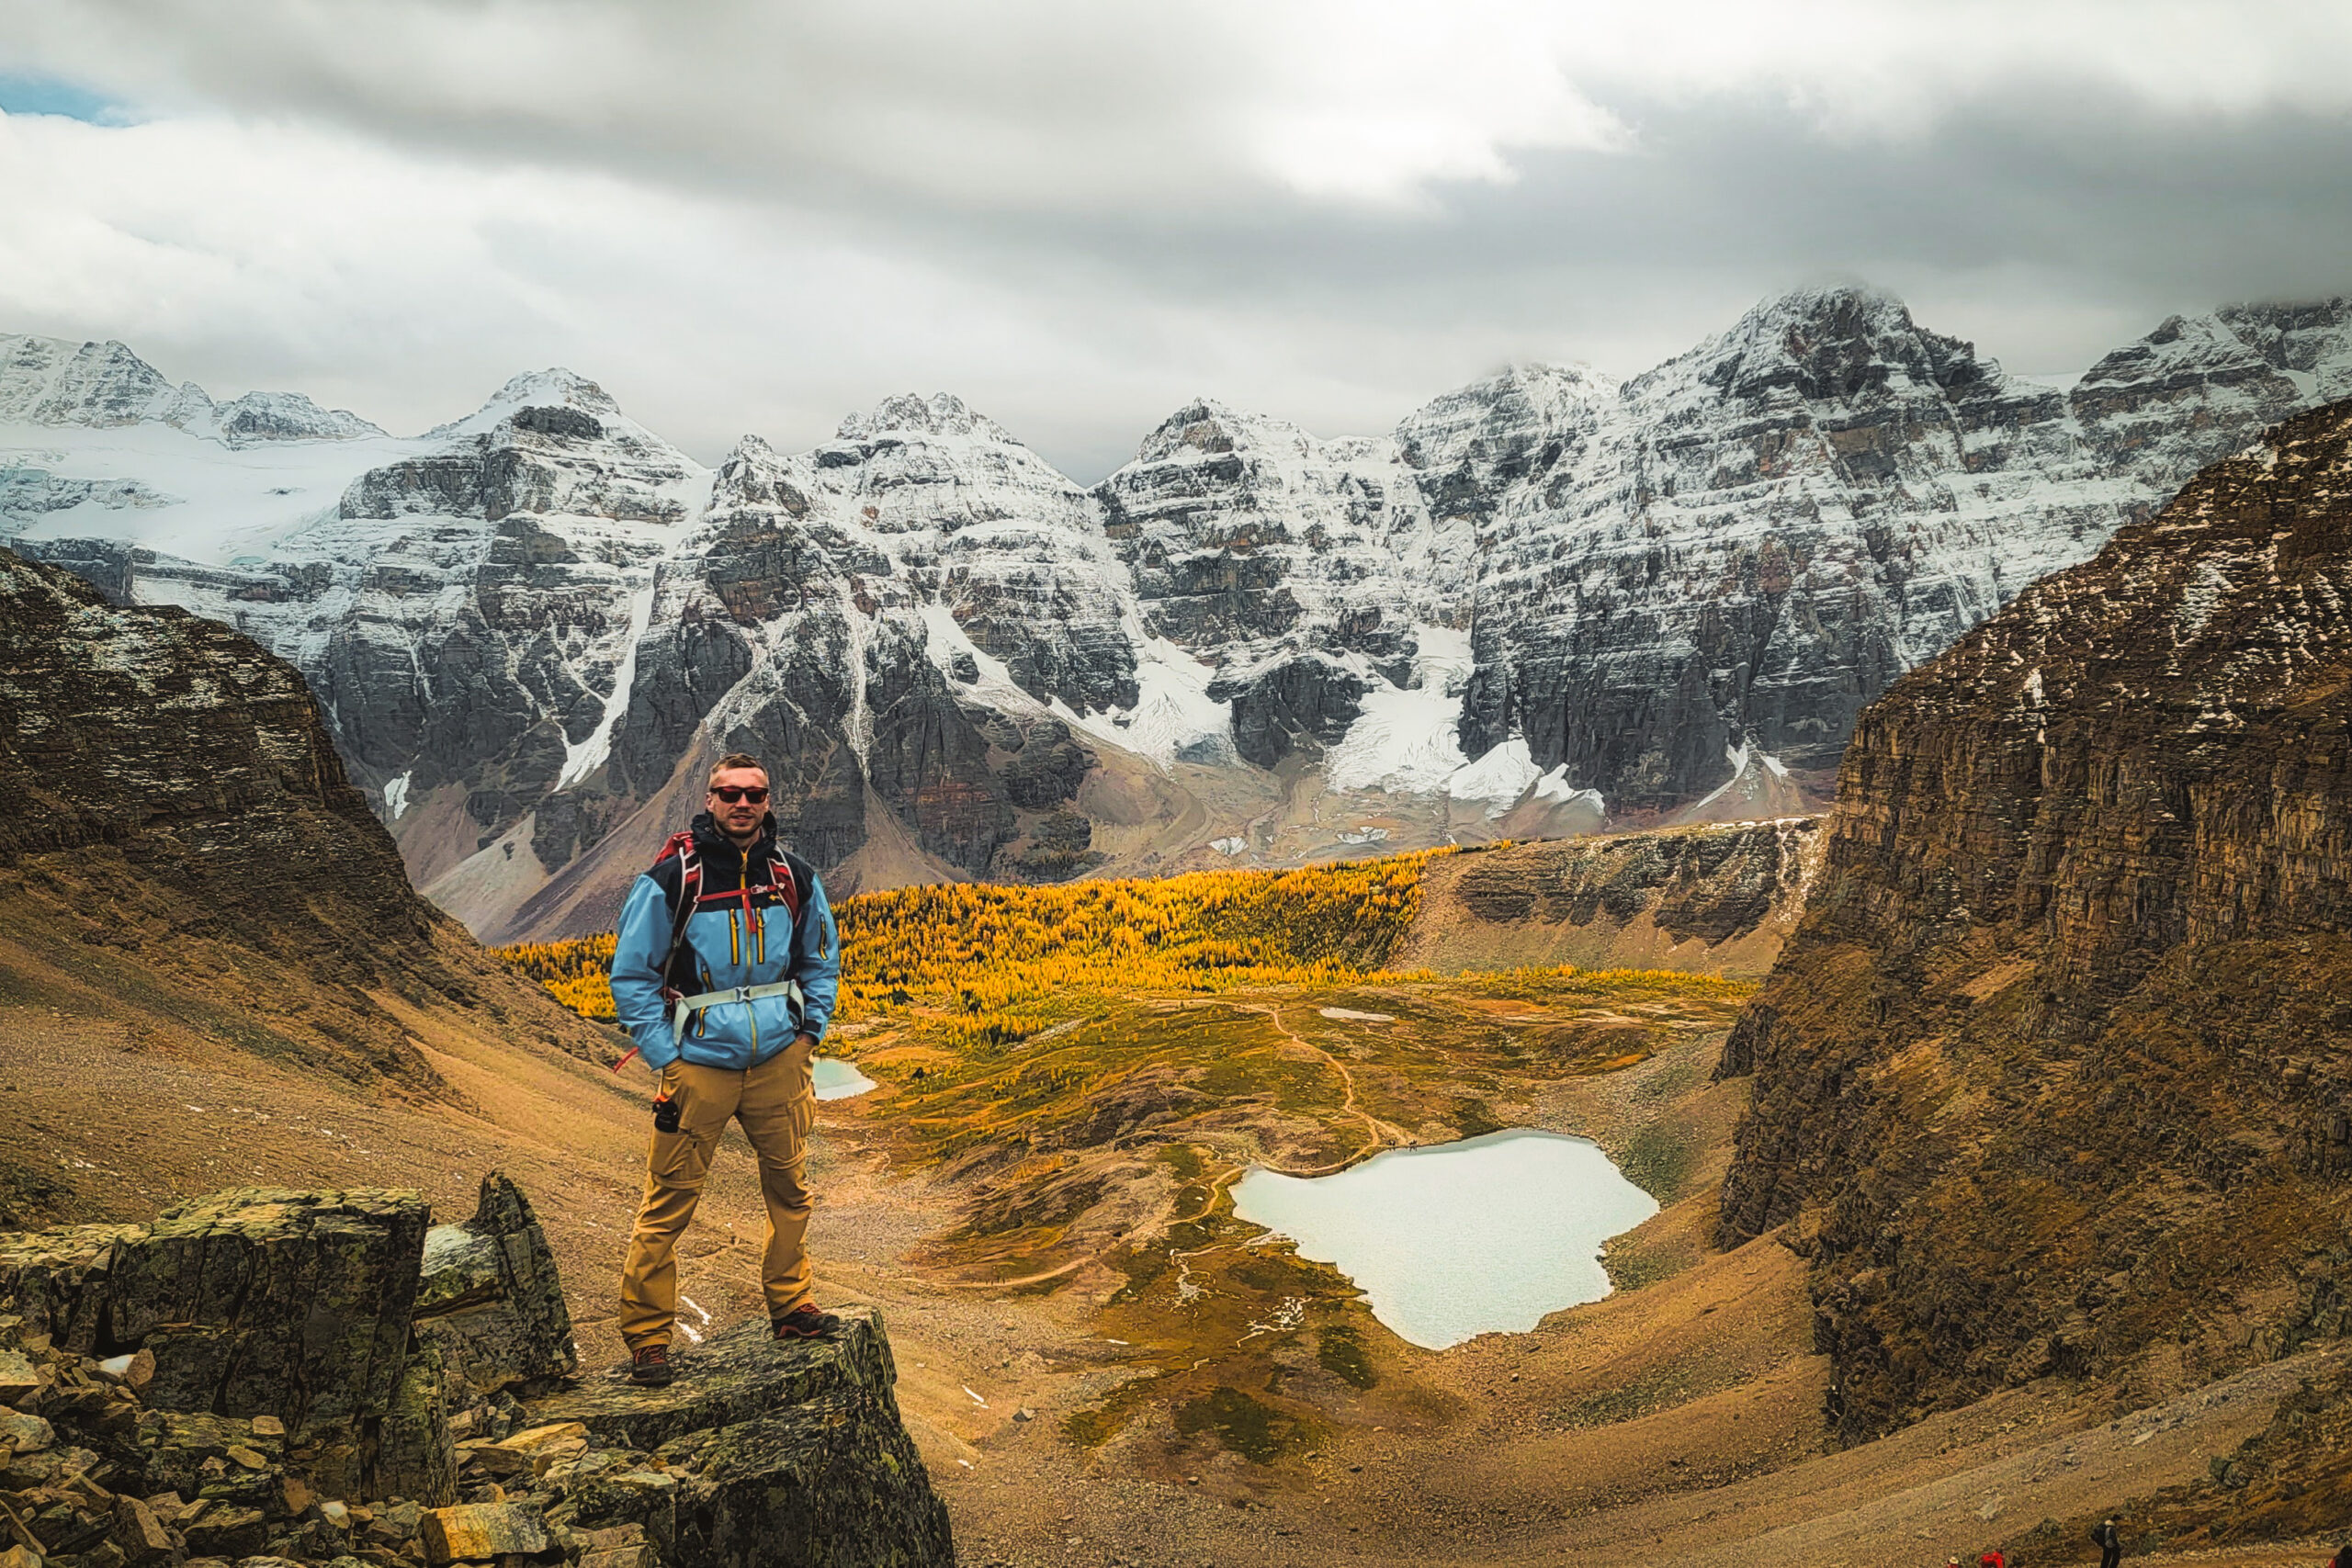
point(690, 897)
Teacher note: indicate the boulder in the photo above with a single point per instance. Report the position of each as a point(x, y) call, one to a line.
point(739, 1373)
point(479, 1533)
point(771, 1453)
point(19, 1376)
point(415, 1457)
point(138, 1534)
point(262, 1300)
point(490, 1298)
point(57, 1278)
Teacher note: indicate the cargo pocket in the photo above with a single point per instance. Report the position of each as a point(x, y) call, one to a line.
point(671, 1159)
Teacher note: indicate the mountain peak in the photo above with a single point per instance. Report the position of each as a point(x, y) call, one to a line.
point(288, 416)
point(1833, 342)
point(1502, 418)
point(1846, 302)
point(48, 381)
point(1205, 425)
point(909, 413)
point(554, 388)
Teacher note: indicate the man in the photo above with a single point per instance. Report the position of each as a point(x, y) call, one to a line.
point(724, 972)
point(2109, 1537)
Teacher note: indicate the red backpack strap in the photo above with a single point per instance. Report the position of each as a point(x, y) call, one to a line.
point(787, 882)
point(681, 845)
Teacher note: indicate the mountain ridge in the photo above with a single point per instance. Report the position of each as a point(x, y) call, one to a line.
point(1544, 587)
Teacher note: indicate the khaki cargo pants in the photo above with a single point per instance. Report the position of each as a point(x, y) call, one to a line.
point(776, 1103)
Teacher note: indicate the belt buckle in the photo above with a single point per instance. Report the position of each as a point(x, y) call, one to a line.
point(743, 994)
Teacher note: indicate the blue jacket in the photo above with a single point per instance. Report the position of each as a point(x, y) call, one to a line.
point(722, 948)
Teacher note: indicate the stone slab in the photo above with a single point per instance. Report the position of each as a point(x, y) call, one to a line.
point(741, 1372)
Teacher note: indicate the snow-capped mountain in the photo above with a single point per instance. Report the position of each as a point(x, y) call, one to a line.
point(1728, 560)
point(47, 380)
point(1544, 600)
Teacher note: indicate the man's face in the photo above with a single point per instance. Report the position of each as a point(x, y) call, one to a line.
point(739, 817)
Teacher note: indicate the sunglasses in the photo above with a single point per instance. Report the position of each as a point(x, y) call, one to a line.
point(730, 797)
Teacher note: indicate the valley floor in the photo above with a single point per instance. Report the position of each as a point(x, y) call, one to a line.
point(1676, 1422)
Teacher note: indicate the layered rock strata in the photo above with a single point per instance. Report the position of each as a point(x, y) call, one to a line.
point(1747, 544)
point(2054, 1077)
point(177, 828)
point(1718, 899)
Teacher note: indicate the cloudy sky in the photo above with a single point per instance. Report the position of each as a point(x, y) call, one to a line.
point(1078, 213)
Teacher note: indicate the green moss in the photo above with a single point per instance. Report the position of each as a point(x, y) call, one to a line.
point(1258, 1432)
point(1340, 1350)
point(1092, 1428)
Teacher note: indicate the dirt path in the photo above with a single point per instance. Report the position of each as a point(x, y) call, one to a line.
point(1384, 1135)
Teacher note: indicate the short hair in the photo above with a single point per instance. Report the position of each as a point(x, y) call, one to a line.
point(730, 762)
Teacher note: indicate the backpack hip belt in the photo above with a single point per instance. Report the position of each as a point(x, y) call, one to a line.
point(684, 1006)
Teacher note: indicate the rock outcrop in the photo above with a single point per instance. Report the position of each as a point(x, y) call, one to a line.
point(2056, 1076)
point(244, 1379)
point(490, 1299)
point(1718, 899)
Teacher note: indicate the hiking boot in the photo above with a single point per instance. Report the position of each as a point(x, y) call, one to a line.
point(806, 1322)
point(649, 1367)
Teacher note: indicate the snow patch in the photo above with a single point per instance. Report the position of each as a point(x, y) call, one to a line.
point(1499, 778)
point(1555, 786)
point(1404, 740)
point(586, 758)
point(396, 796)
point(1407, 739)
point(1173, 719)
point(1737, 758)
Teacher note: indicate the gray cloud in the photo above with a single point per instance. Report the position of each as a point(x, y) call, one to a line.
point(755, 217)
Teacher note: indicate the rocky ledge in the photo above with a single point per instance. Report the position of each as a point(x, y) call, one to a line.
point(273, 1377)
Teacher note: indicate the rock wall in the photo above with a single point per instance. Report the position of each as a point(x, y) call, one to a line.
point(2056, 1075)
point(1746, 545)
point(177, 829)
point(1718, 899)
point(291, 1376)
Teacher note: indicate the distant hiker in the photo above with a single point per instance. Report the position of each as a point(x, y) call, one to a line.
point(724, 972)
point(2343, 1557)
point(1993, 1560)
point(2110, 1542)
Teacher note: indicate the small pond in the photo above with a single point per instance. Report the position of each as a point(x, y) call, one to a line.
point(1456, 1240)
point(837, 1080)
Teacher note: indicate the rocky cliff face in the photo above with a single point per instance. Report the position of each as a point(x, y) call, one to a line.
point(2056, 1076)
point(1755, 539)
point(1719, 900)
point(1545, 594)
point(292, 1377)
point(176, 829)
